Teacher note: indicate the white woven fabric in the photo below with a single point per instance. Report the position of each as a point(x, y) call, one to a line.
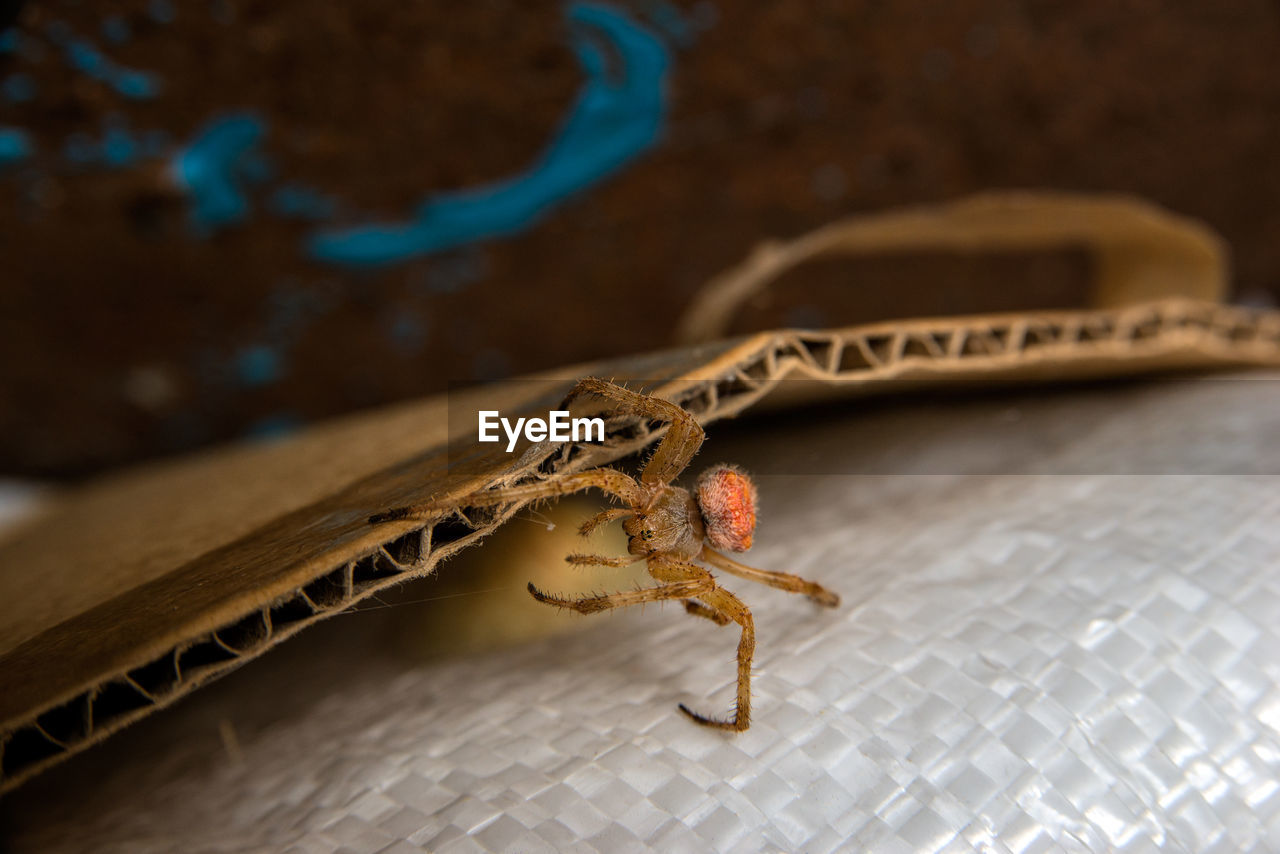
point(1024, 662)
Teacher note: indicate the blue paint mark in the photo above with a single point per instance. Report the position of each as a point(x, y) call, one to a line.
point(297, 202)
point(162, 11)
point(9, 41)
point(274, 426)
point(85, 58)
point(115, 29)
point(258, 366)
point(19, 87)
point(217, 165)
point(119, 147)
point(611, 123)
point(15, 146)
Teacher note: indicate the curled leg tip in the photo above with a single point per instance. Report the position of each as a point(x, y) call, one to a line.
point(735, 725)
point(691, 713)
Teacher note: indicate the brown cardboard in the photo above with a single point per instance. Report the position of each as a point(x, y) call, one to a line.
point(131, 592)
point(1139, 252)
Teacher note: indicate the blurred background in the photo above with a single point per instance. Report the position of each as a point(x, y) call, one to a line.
point(229, 218)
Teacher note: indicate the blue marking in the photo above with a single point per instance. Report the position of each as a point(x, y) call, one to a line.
point(85, 58)
point(217, 165)
point(19, 87)
point(118, 148)
point(294, 201)
point(15, 146)
point(9, 41)
point(611, 123)
point(258, 366)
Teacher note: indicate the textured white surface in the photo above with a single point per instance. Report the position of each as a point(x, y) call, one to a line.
point(1024, 662)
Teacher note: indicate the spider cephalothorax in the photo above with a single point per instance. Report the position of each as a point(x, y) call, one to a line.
point(669, 528)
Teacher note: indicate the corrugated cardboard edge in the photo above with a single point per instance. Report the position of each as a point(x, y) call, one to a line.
point(79, 681)
point(1140, 252)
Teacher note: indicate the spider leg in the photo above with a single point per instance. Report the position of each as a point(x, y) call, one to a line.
point(603, 518)
point(682, 439)
point(609, 481)
point(780, 580)
point(697, 609)
point(724, 602)
point(678, 580)
point(609, 601)
point(602, 560)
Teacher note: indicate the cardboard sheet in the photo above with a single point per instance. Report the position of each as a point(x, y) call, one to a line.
point(134, 591)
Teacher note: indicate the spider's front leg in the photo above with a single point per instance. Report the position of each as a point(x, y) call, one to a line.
point(682, 439)
point(609, 481)
point(604, 517)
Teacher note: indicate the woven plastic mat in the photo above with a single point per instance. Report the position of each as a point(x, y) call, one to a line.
point(1059, 633)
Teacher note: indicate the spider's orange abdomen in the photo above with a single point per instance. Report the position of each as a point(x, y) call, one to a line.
point(727, 499)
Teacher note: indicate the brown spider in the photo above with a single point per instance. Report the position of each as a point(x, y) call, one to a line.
point(669, 529)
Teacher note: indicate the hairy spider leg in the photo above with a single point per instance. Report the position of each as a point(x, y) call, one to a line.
point(678, 446)
point(683, 581)
point(723, 602)
point(604, 517)
point(609, 481)
point(602, 560)
point(697, 609)
point(678, 581)
point(780, 580)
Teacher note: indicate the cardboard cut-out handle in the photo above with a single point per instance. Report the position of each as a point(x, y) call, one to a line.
point(1140, 252)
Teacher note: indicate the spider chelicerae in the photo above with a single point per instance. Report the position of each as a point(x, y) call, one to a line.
point(670, 528)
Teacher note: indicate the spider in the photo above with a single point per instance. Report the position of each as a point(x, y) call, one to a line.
point(669, 528)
